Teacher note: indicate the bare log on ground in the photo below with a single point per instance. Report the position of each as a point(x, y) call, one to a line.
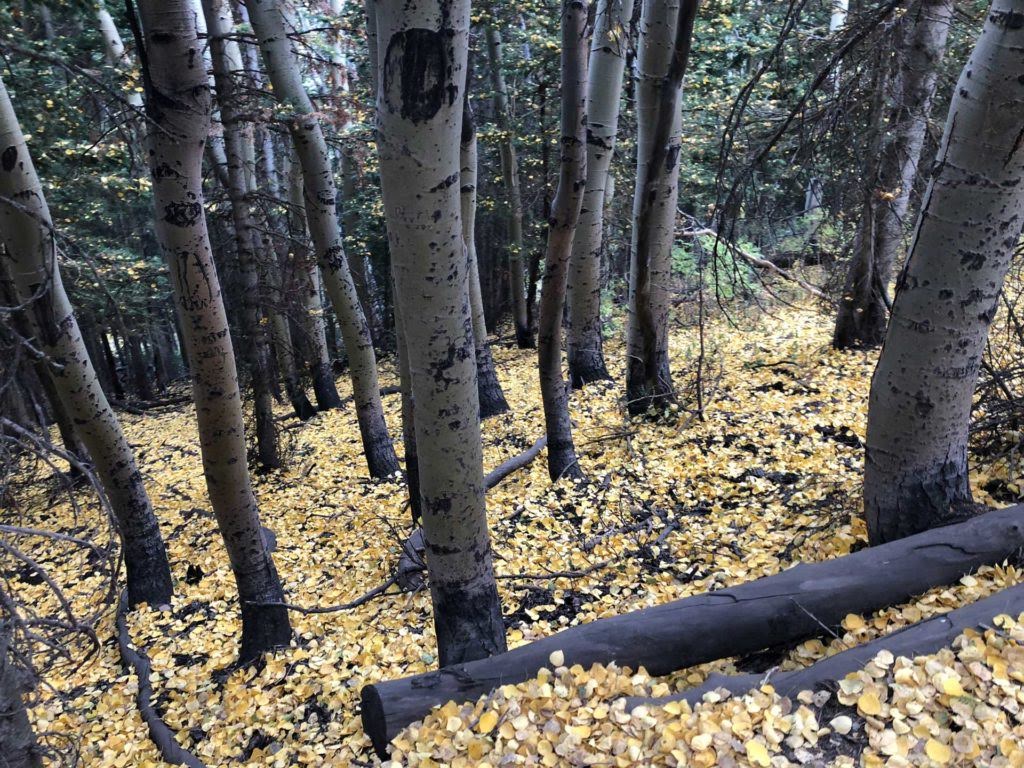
point(919, 639)
point(519, 461)
point(771, 611)
point(138, 662)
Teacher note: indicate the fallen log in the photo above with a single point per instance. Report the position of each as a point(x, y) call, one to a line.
point(783, 608)
point(919, 639)
point(507, 467)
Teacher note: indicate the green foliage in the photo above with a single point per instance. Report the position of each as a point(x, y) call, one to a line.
point(717, 267)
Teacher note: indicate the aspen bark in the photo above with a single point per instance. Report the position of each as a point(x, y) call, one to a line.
point(238, 148)
point(916, 474)
point(321, 197)
point(864, 305)
point(307, 280)
point(513, 193)
point(179, 104)
point(350, 219)
point(666, 30)
point(492, 399)
point(28, 235)
point(423, 51)
point(565, 214)
point(608, 49)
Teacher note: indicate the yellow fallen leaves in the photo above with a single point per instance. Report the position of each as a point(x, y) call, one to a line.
point(868, 704)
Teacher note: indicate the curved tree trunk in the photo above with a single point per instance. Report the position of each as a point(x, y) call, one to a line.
point(513, 192)
point(27, 232)
point(916, 452)
point(238, 147)
point(178, 102)
point(666, 30)
point(565, 214)
point(864, 306)
point(492, 399)
point(321, 196)
point(419, 110)
point(604, 89)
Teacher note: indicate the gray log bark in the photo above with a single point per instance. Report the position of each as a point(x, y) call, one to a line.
point(608, 49)
point(916, 473)
point(776, 610)
point(18, 747)
point(419, 117)
point(179, 104)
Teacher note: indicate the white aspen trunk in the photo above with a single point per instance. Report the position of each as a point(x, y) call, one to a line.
point(665, 36)
point(604, 90)
point(307, 279)
point(113, 47)
point(565, 214)
point(239, 151)
point(513, 193)
point(864, 305)
point(916, 474)
point(492, 399)
point(26, 229)
point(321, 196)
point(419, 112)
point(180, 107)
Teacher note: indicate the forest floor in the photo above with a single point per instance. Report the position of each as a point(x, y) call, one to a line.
point(769, 478)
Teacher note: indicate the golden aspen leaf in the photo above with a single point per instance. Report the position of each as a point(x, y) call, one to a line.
point(487, 721)
point(757, 753)
point(938, 751)
point(868, 704)
point(853, 621)
point(951, 687)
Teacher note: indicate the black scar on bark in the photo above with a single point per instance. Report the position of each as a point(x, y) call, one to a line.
point(10, 157)
point(182, 214)
point(416, 73)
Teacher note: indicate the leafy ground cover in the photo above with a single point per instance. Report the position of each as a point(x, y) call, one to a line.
point(672, 508)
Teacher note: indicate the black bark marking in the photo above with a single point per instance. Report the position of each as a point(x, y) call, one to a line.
point(183, 214)
point(10, 157)
point(417, 74)
point(445, 183)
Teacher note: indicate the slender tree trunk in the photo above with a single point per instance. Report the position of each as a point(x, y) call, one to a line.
point(178, 102)
point(321, 213)
point(412, 462)
point(111, 360)
point(27, 232)
point(492, 399)
point(916, 474)
point(419, 110)
point(863, 308)
point(604, 89)
point(238, 148)
point(307, 281)
point(666, 30)
point(18, 747)
point(350, 219)
point(514, 197)
point(565, 214)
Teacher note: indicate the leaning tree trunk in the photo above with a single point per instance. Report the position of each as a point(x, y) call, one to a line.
point(863, 308)
point(604, 89)
point(666, 30)
point(419, 110)
point(513, 192)
point(915, 464)
point(178, 104)
point(27, 232)
point(565, 214)
point(282, 64)
point(492, 399)
point(238, 148)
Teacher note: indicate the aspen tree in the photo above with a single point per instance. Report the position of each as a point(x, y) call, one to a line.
point(665, 37)
point(864, 305)
point(179, 105)
point(915, 464)
point(26, 229)
point(423, 51)
point(513, 191)
point(565, 214)
point(320, 197)
point(608, 48)
point(492, 399)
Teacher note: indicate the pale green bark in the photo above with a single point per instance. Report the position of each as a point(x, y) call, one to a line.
point(916, 473)
point(608, 49)
point(419, 113)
